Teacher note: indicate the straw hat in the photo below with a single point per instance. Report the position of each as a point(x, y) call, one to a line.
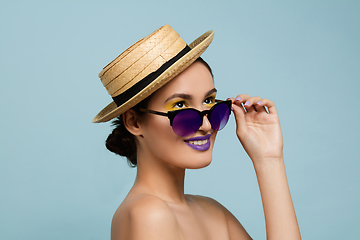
point(145, 67)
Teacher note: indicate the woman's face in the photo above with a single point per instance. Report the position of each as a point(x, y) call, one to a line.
point(193, 88)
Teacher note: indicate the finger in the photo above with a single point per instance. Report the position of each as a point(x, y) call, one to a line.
point(240, 120)
point(240, 100)
point(231, 98)
point(251, 103)
point(260, 106)
point(268, 105)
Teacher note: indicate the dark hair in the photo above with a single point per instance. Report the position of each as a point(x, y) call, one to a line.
point(121, 141)
point(206, 65)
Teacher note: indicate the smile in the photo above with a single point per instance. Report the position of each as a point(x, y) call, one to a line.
point(201, 143)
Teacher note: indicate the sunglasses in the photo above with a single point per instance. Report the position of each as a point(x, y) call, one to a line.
point(185, 122)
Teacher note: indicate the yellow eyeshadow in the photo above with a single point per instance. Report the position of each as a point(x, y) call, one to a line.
point(211, 104)
point(212, 97)
point(170, 106)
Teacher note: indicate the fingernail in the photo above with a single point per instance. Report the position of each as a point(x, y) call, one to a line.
point(232, 109)
point(238, 99)
point(258, 102)
point(247, 103)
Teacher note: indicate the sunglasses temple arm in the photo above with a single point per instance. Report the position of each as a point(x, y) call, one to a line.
point(153, 112)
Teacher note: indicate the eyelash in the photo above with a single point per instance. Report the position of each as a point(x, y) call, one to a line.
point(212, 100)
point(176, 104)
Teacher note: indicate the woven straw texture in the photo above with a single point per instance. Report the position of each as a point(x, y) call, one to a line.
point(142, 58)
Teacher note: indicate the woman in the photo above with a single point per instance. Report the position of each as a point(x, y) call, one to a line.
point(167, 121)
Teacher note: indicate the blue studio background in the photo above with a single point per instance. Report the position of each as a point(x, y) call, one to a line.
point(58, 181)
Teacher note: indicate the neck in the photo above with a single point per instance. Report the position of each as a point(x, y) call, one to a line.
point(160, 179)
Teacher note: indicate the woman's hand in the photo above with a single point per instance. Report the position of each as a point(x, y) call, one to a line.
point(258, 129)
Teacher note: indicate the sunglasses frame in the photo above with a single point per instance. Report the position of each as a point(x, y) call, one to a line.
point(171, 114)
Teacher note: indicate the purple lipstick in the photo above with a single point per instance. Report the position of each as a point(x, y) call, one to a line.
point(201, 143)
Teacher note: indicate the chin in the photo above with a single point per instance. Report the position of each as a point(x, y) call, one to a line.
point(199, 159)
point(200, 165)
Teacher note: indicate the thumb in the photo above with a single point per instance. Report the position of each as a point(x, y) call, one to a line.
point(240, 120)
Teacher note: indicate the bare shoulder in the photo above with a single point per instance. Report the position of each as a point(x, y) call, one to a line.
point(207, 203)
point(216, 209)
point(144, 217)
point(204, 200)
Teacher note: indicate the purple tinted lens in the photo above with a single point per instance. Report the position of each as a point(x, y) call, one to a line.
point(186, 123)
point(219, 116)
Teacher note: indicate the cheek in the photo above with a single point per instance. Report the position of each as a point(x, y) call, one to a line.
point(159, 135)
point(163, 144)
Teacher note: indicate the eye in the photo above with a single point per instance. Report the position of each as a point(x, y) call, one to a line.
point(180, 104)
point(210, 101)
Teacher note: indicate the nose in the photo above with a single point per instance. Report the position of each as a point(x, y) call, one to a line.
point(206, 125)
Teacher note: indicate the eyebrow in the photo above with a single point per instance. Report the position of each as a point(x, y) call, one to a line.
point(188, 96)
point(214, 90)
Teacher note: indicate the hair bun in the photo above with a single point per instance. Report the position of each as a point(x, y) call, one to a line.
point(122, 142)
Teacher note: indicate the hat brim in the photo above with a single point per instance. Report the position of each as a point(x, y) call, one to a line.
point(197, 48)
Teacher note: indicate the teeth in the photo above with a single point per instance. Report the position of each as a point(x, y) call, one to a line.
point(199, 142)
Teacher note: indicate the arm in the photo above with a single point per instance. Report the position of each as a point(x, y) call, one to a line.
point(260, 134)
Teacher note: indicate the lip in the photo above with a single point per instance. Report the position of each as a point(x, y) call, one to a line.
point(203, 147)
point(199, 138)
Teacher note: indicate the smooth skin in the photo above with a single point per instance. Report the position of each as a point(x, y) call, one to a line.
point(156, 206)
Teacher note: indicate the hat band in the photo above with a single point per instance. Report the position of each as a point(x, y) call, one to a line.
point(129, 93)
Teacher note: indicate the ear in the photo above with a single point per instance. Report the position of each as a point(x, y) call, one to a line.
point(131, 122)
